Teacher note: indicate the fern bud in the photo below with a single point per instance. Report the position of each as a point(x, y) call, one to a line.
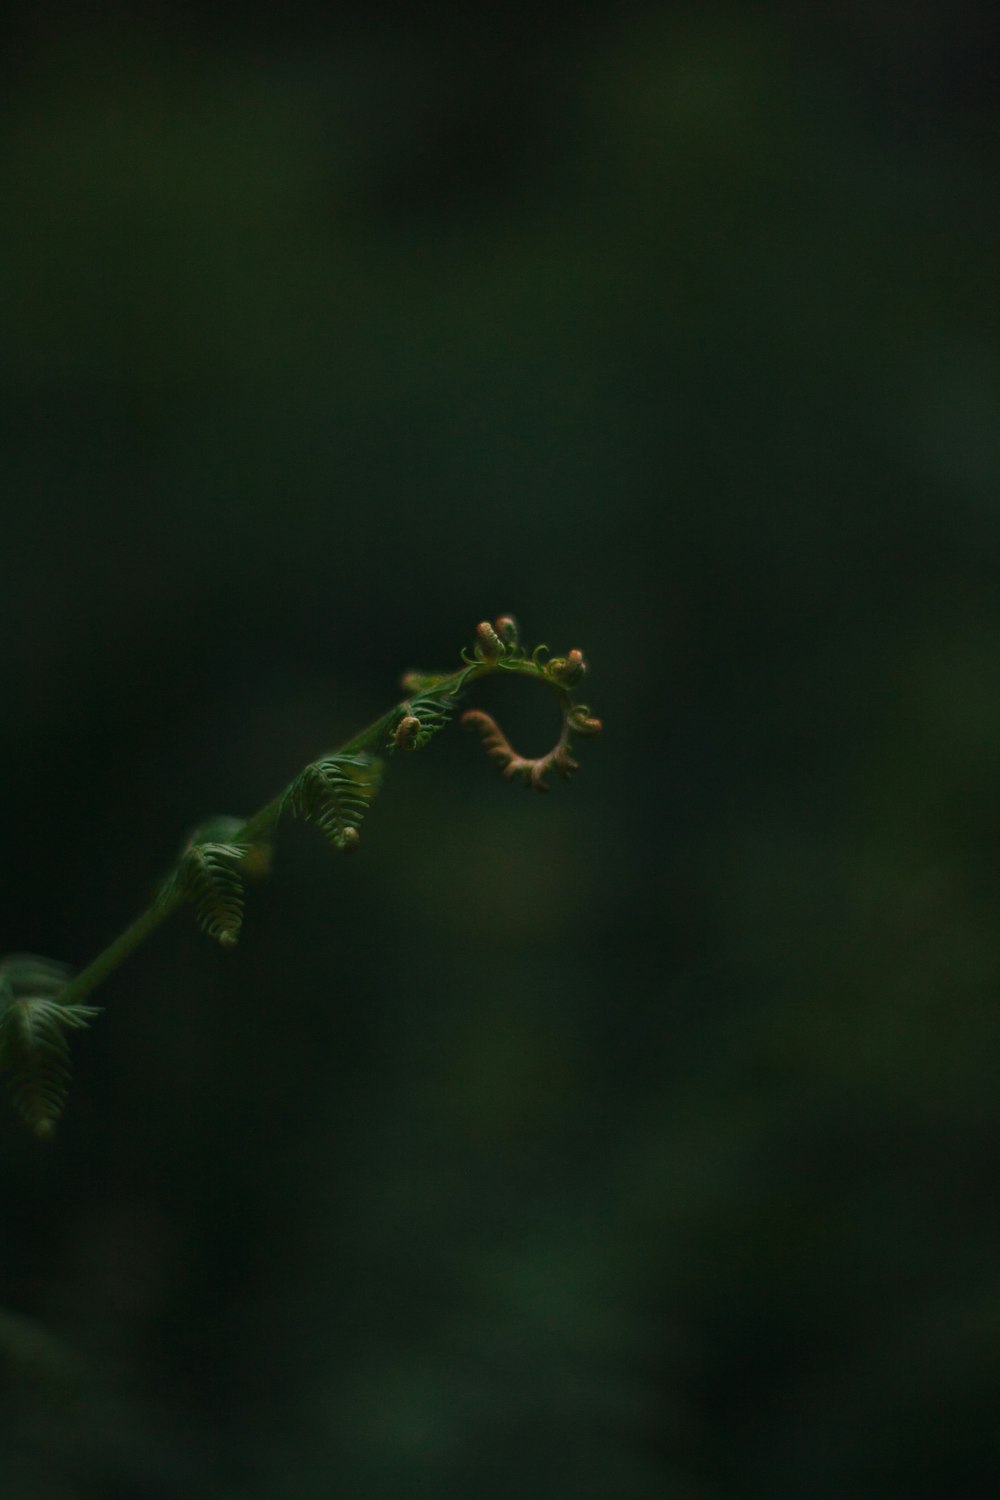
point(489, 646)
point(506, 629)
point(349, 840)
point(407, 730)
point(567, 670)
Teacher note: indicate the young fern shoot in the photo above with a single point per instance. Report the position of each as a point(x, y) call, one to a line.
point(41, 1002)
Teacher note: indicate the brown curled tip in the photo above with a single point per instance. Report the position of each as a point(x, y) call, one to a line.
point(581, 723)
point(534, 769)
point(406, 732)
point(495, 742)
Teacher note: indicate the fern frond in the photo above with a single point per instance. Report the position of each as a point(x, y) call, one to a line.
point(214, 885)
point(206, 875)
point(335, 792)
point(34, 1048)
point(40, 1003)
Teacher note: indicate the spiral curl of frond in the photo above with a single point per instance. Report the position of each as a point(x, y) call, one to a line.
point(561, 674)
point(532, 769)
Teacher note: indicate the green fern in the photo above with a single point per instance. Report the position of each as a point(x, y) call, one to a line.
point(40, 1003)
point(34, 1049)
point(335, 792)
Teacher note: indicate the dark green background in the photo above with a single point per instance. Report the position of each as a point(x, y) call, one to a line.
point(640, 1141)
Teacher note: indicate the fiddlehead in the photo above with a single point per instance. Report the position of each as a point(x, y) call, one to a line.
point(40, 1003)
point(560, 674)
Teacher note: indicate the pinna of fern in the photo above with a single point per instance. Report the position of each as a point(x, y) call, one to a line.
point(34, 1023)
point(40, 1003)
point(335, 792)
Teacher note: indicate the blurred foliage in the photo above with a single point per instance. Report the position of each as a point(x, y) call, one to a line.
point(637, 1141)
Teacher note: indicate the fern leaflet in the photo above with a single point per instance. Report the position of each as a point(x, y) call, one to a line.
point(33, 1047)
point(335, 792)
point(209, 876)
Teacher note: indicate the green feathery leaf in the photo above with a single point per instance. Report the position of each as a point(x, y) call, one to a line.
point(432, 711)
point(206, 875)
point(335, 792)
point(209, 876)
point(34, 1048)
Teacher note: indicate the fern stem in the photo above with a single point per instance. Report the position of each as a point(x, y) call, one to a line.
point(117, 951)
